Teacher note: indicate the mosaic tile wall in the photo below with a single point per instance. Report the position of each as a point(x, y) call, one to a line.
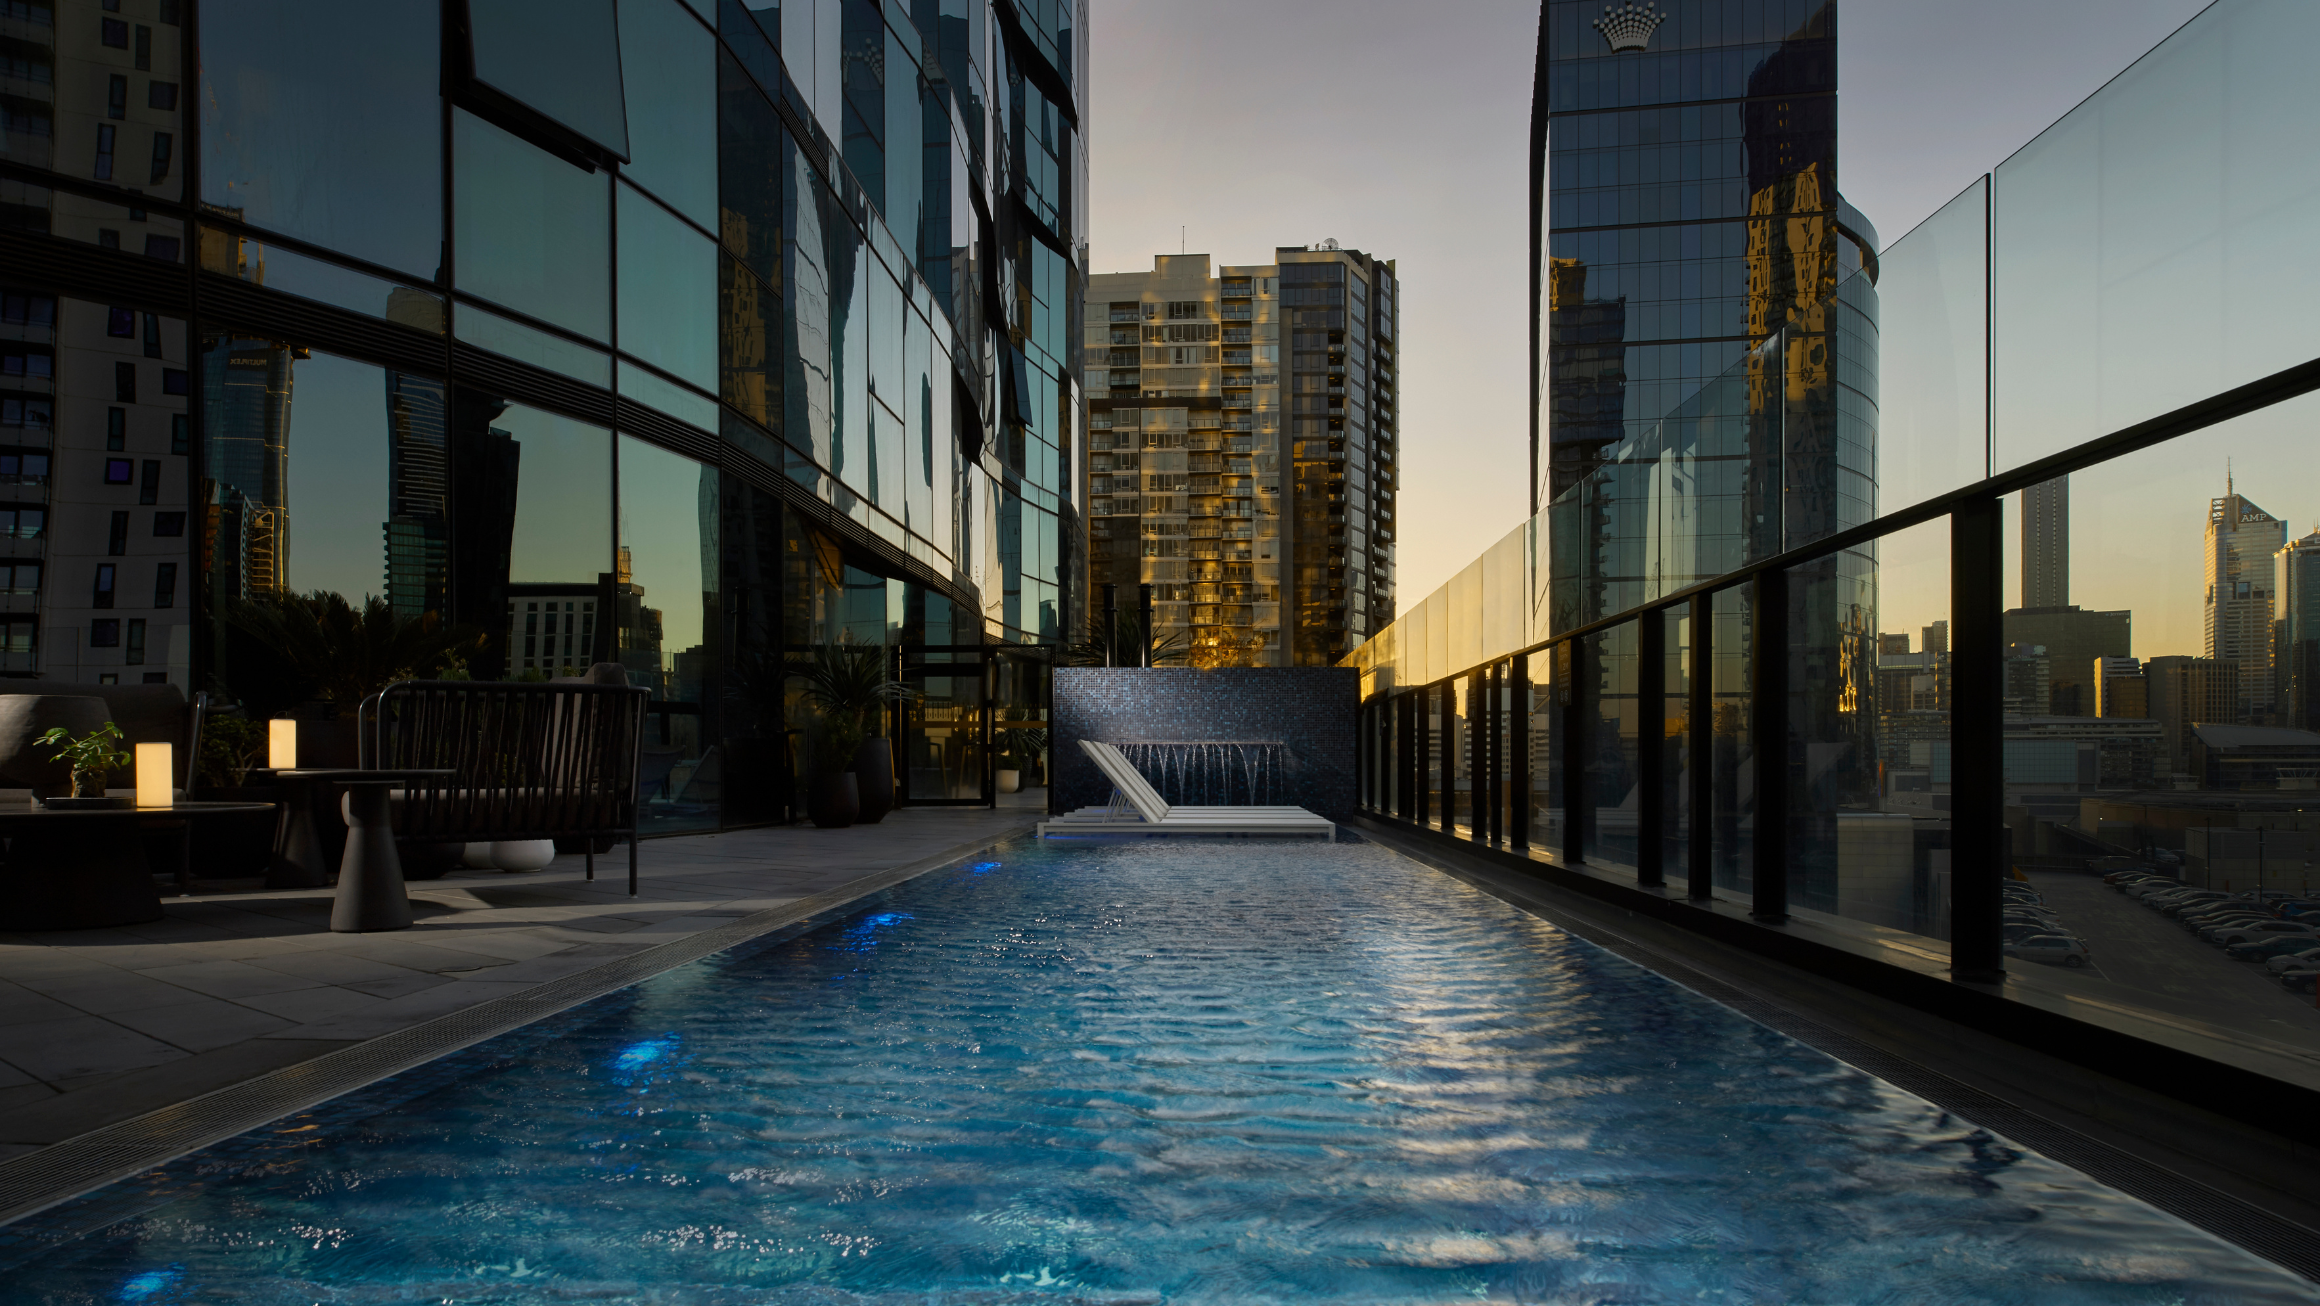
point(1307, 711)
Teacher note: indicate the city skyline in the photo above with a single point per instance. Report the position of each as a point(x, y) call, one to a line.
point(1364, 87)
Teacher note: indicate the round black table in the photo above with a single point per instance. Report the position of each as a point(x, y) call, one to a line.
point(85, 869)
point(370, 873)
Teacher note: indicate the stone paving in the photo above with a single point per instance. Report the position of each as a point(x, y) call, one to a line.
point(98, 1026)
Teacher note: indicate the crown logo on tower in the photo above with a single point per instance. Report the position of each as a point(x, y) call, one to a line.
point(1629, 26)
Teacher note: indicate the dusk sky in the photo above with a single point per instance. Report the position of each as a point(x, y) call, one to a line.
point(1399, 129)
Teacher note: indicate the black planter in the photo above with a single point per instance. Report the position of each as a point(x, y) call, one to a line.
point(874, 770)
point(833, 801)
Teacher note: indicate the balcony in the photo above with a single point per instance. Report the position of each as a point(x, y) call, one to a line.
point(1126, 315)
point(1239, 312)
point(1240, 400)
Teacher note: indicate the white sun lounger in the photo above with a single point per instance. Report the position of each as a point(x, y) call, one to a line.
point(1137, 808)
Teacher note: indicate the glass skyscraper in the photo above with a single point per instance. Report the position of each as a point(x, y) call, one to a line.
point(1703, 339)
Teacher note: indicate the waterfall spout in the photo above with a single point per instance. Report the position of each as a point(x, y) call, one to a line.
point(1214, 773)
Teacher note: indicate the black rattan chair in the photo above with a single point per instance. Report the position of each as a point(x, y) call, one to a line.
point(530, 761)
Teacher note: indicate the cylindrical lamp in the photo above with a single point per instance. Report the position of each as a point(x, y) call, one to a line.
point(282, 745)
point(156, 774)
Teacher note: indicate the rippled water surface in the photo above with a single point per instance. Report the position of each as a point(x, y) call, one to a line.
point(1158, 1072)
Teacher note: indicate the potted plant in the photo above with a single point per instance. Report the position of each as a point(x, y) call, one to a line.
point(853, 775)
point(91, 756)
point(1019, 754)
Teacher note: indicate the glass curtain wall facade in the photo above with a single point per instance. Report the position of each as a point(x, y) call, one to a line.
point(698, 335)
point(2027, 604)
point(1210, 397)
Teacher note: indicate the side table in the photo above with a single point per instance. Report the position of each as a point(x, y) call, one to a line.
point(85, 870)
point(370, 874)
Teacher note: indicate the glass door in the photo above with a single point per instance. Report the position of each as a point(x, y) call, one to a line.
point(1020, 677)
point(945, 736)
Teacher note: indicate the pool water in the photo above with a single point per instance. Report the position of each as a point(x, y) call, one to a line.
point(1147, 1072)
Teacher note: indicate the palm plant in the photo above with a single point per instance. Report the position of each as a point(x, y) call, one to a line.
point(1127, 637)
point(845, 683)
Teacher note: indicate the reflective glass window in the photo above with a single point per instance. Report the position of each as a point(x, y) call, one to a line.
point(669, 546)
point(532, 231)
point(749, 343)
point(559, 57)
point(807, 363)
point(905, 159)
point(668, 291)
point(292, 273)
point(1607, 710)
point(668, 63)
point(754, 155)
point(656, 391)
point(343, 152)
point(487, 330)
point(1730, 741)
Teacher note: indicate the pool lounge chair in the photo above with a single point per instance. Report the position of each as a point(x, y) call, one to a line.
point(1137, 808)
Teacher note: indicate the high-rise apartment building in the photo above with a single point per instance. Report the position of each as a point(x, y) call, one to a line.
point(2073, 638)
point(2241, 542)
point(691, 339)
point(1242, 441)
point(2046, 544)
point(2296, 633)
point(2120, 688)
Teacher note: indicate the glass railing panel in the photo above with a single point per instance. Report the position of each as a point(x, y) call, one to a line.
point(1544, 737)
point(2162, 727)
point(1609, 797)
point(1729, 740)
point(1869, 826)
point(1932, 360)
point(1674, 727)
point(2152, 247)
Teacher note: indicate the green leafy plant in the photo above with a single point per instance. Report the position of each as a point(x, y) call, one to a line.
point(844, 683)
point(1021, 749)
point(92, 756)
point(230, 746)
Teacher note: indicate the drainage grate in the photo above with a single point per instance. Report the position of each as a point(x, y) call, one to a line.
point(2242, 1224)
point(62, 1171)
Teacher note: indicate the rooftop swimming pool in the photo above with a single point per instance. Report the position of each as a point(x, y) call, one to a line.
point(1151, 1072)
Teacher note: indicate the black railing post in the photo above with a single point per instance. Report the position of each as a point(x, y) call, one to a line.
point(1144, 624)
point(1979, 854)
point(1111, 625)
point(1422, 739)
point(1700, 749)
point(1650, 750)
point(1497, 715)
point(1768, 687)
point(1406, 757)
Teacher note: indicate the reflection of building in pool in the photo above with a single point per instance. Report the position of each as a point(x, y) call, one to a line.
point(551, 628)
point(246, 428)
point(418, 526)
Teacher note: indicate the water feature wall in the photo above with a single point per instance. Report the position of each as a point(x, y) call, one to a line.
point(1271, 736)
point(1219, 773)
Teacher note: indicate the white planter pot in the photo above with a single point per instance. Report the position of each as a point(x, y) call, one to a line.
point(475, 856)
point(1009, 781)
point(523, 854)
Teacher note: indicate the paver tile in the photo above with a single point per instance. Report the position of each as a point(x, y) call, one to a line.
point(410, 981)
point(307, 1006)
point(19, 1004)
point(335, 967)
point(397, 950)
point(227, 979)
point(201, 1025)
point(81, 1045)
point(104, 991)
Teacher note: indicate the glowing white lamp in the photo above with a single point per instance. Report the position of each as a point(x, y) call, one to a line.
point(155, 771)
point(282, 745)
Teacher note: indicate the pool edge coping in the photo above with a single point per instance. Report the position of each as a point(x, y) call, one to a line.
point(2261, 1233)
point(74, 1167)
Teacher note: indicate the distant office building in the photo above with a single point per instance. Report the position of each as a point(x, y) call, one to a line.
point(1242, 450)
point(2296, 632)
point(2046, 544)
point(2241, 541)
point(2120, 688)
point(2073, 638)
point(2253, 757)
point(2029, 670)
point(2187, 692)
